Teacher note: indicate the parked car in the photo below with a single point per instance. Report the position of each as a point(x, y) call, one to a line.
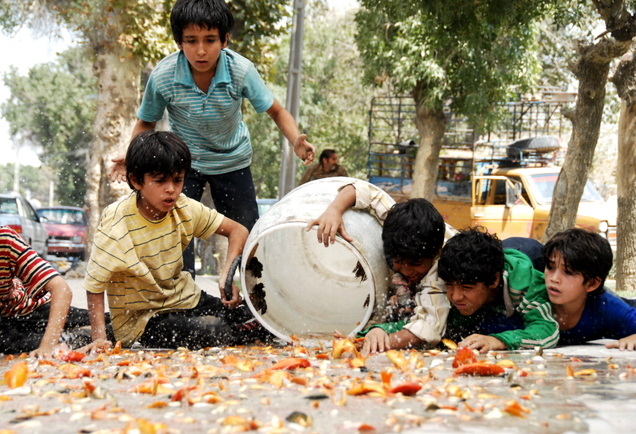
point(67, 227)
point(18, 214)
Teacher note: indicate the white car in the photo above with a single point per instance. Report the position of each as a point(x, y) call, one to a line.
point(18, 214)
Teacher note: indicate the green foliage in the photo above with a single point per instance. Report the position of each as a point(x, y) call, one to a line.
point(34, 182)
point(259, 25)
point(334, 100)
point(54, 107)
point(474, 53)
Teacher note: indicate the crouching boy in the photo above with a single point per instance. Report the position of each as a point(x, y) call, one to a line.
point(498, 299)
point(35, 301)
point(577, 264)
point(137, 258)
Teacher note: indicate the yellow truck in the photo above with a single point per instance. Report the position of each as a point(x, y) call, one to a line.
point(510, 194)
point(514, 201)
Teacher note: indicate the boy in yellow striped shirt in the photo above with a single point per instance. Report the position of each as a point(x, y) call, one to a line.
point(137, 258)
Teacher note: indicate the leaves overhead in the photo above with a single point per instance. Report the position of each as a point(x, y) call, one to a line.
point(473, 53)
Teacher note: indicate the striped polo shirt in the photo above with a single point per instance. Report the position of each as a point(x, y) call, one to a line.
point(139, 263)
point(23, 276)
point(210, 123)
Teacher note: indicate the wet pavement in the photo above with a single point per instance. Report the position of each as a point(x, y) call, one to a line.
point(571, 389)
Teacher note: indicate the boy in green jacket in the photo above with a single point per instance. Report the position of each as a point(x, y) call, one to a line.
point(498, 299)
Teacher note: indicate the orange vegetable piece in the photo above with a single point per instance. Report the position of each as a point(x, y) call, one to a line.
point(358, 362)
point(464, 356)
point(72, 356)
point(74, 371)
point(408, 388)
point(182, 393)
point(17, 375)
point(481, 369)
point(569, 371)
point(397, 359)
point(291, 363)
point(516, 409)
point(343, 346)
point(366, 386)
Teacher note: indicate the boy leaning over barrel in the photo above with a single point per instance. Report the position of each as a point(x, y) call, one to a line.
point(413, 233)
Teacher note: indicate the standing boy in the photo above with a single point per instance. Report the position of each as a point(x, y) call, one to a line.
point(35, 301)
point(577, 264)
point(137, 257)
point(412, 236)
point(499, 300)
point(203, 86)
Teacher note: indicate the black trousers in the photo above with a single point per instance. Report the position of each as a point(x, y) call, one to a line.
point(209, 324)
point(234, 197)
point(24, 333)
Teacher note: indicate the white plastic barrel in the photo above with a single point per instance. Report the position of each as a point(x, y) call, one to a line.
point(297, 287)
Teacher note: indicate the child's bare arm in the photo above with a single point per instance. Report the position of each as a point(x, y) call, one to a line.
point(330, 222)
point(236, 235)
point(117, 171)
point(627, 343)
point(287, 125)
point(96, 310)
point(61, 296)
point(482, 343)
point(379, 341)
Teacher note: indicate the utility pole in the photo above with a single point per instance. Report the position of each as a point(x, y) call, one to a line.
point(287, 179)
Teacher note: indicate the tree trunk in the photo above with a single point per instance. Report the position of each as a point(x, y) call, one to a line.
point(625, 81)
point(118, 98)
point(592, 70)
point(431, 124)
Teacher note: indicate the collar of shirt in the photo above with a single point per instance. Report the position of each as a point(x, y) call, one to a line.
point(183, 74)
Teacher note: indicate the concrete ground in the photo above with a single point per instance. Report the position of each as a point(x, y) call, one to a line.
point(582, 389)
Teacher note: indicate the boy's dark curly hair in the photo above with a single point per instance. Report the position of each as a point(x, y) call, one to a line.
point(583, 252)
point(413, 230)
point(156, 153)
point(205, 14)
point(471, 256)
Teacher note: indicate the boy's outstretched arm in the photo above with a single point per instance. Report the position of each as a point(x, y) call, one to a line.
point(117, 171)
point(236, 235)
point(96, 310)
point(482, 343)
point(61, 296)
point(627, 343)
point(330, 222)
point(287, 125)
point(379, 341)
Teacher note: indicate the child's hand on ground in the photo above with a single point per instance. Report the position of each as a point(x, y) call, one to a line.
point(117, 171)
point(482, 343)
point(97, 346)
point(376, 341)
point(329, 224)
point(45, 351)
point(628, 343)
point(304, 150)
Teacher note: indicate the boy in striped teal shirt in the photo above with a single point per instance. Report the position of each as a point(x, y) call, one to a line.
point(202, 86)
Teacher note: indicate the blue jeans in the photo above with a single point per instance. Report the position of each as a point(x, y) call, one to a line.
point(233, 195)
